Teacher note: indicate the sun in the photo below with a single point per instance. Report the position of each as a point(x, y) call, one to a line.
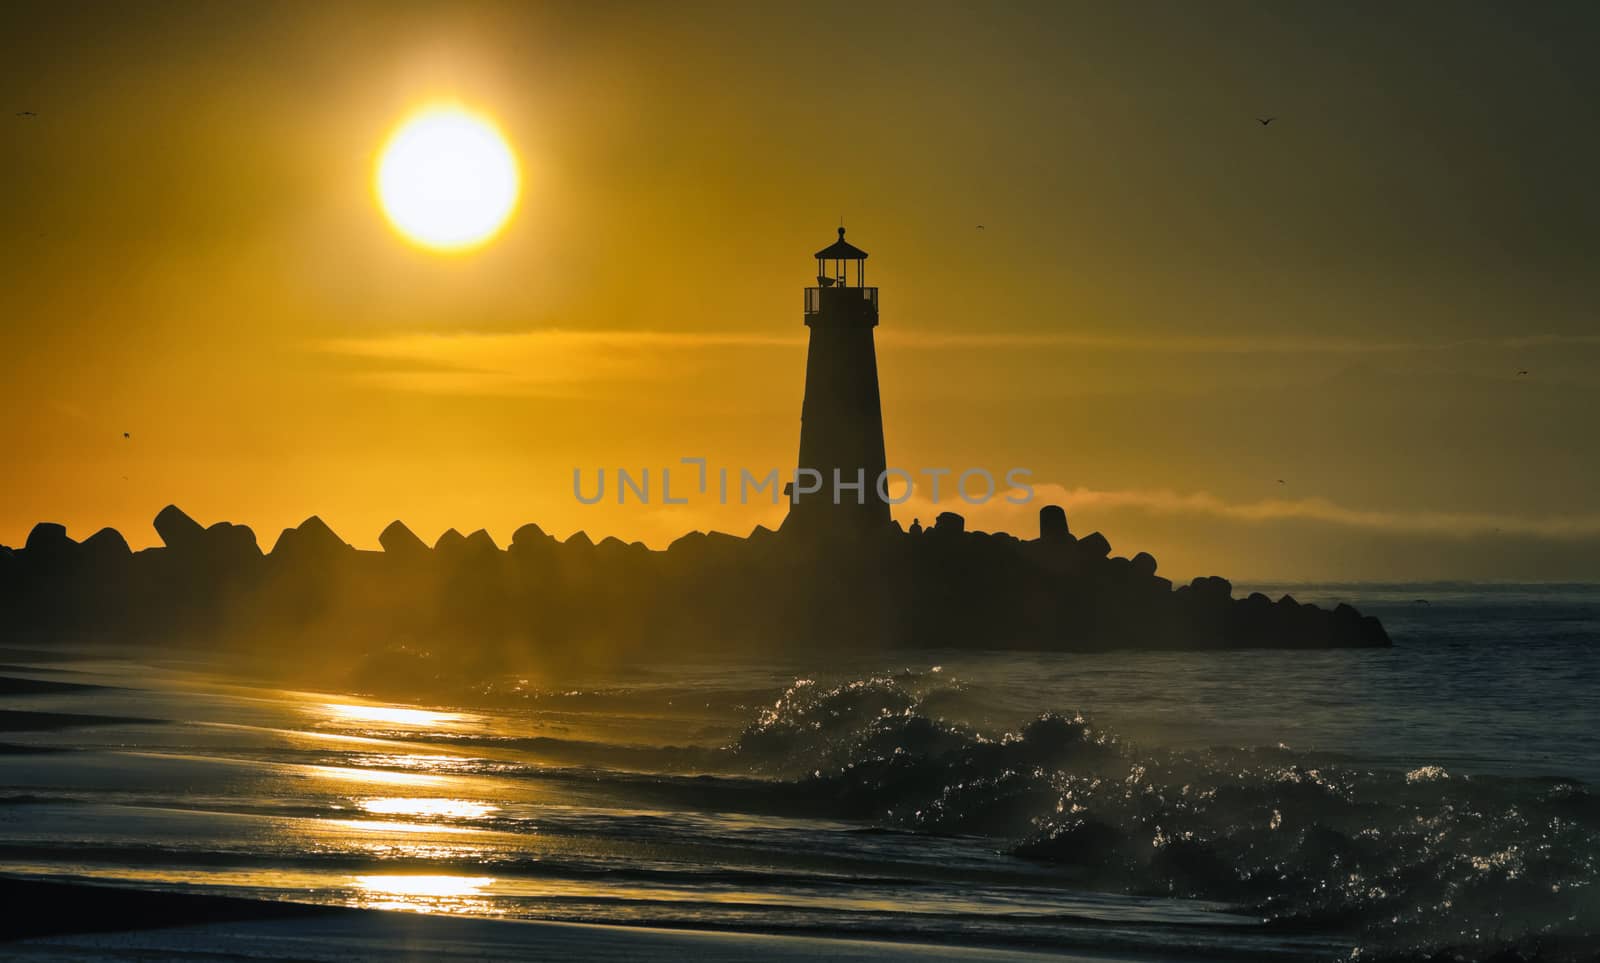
point(447, 179)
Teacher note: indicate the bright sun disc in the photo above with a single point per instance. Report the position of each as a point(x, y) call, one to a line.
point(447, 179)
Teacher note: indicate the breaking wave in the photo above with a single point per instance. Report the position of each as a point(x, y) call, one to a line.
point(1420, 864)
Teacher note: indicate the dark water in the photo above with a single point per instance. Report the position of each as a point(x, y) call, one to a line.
point(1296, 805)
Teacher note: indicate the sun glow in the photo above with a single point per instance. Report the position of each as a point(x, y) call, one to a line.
point(447, 179)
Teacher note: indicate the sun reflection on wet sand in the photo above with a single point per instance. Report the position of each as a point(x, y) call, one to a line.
point(461, 764)
point(393, 715)
point(426, 894)
point(385, 777)
point(436, 808)
point(381, 827)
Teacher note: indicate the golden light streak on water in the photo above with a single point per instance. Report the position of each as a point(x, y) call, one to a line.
point(381, 776)
point(425, 885)
point(426, 893)
point(393, 715)
point(378, 827)
point(436, 808)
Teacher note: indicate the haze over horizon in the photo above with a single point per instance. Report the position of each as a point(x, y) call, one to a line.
point(1169, 308)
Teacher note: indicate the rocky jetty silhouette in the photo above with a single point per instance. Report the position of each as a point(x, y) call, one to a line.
point(543, 600)
point(837, 575)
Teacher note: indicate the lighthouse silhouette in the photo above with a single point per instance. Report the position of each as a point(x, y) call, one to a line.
point(841, 417)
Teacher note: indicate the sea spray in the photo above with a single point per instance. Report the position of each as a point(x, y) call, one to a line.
point(1403, 860)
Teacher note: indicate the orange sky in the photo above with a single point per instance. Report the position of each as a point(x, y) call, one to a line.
point(1169, 309)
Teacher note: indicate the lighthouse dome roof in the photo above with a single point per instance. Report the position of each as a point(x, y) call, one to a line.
point(842, 250)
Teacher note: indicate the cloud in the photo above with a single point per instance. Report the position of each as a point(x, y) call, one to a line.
point(567, 362)
point(1000, 515)
point(544, 362)
point(1213, 344)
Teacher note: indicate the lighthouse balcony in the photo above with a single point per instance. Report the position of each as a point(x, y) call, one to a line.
point(845, 300)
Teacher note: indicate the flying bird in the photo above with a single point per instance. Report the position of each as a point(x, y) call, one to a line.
point(126, 435)
point(1523, 371)
point(980, 227)
point(1280, 481)
point(26, 113)
point(1264, 121)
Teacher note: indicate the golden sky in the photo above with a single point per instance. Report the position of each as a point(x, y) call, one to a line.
point(1170, 307)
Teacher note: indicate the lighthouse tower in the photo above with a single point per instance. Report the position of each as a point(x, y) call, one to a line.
point(841, 418)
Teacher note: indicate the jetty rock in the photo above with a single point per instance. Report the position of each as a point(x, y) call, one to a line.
point(1053, 524)
point(230, 542)
point(311, 540)
point(400, 542)
point(710, 592)
point(105, 546)
point(48, 544)
point(177, 530)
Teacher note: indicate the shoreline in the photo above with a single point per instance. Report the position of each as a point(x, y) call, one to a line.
point(49, 920)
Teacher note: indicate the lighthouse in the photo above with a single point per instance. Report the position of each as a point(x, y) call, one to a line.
point(841, 417)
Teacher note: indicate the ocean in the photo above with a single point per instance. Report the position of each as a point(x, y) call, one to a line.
point(1313, 805)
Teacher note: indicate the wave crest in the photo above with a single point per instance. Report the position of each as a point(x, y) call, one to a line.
point(1408, 860)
